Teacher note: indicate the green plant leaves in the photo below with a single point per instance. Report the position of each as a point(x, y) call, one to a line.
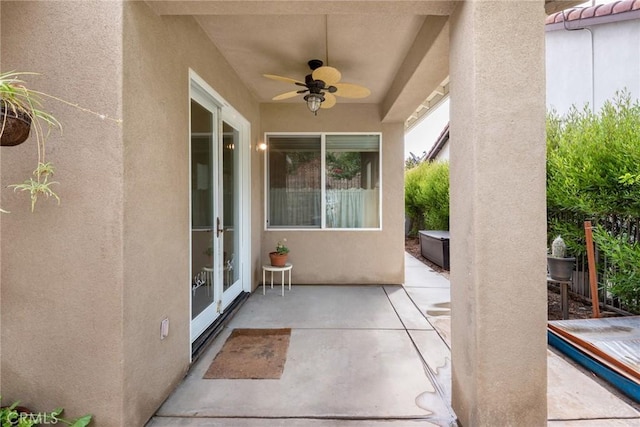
point(622, 269)
point(427, 195)
point(11, 417)
point(593, 173)
point(82, 422)
point(40, 186)
point(587, 156)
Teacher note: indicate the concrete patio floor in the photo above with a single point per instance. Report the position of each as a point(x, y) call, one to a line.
point(364, 356)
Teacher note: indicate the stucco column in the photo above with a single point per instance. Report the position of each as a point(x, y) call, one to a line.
point(498, 215)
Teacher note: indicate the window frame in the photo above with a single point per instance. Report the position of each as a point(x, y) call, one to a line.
point(323, 181)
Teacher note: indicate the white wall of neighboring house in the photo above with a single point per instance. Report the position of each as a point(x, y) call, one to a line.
point(424, 134)
point(443, 154)
point(588, 66)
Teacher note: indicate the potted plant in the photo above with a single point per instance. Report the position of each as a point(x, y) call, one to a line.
point(279, 256)
point(20, 112)
point(559, 265)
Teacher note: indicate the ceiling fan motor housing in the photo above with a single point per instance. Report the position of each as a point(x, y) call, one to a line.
point(315, 63)
point(317, 86)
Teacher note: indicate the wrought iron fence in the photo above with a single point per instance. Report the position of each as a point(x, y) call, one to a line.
point(630, 227)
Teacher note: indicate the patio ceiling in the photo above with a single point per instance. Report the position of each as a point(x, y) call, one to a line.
point(398, 49)
point(367, 49)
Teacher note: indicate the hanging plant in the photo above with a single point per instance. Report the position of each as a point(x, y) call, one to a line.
point(21, 113)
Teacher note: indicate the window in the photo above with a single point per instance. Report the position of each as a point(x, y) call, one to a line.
point(327, 181)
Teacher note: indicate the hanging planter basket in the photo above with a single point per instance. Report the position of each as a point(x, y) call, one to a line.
point(16, 127)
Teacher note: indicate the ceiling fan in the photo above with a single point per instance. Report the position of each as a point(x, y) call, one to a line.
point(321, 87)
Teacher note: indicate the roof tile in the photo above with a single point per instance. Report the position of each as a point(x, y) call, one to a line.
point(622, 6)
point(589, 12)
point(574, 14)
point(605, 9)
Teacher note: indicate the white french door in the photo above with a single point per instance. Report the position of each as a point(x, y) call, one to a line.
point(218, 230)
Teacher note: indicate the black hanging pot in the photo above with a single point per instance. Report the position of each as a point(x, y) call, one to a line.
point(17, 125)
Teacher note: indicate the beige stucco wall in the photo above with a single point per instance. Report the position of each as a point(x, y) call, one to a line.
point(498, 217)
point(81, 323)
point(158, 52)
point(344, 257)
point(62, 270)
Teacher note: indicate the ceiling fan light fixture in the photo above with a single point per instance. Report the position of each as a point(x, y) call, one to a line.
point(322, 86)
point(314, 100)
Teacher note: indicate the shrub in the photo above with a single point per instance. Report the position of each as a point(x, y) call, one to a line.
point(593, 171)
point(622, 270)
point(587, 154)
point(427, 196)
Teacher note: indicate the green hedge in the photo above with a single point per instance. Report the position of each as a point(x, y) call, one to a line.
point(427, 196)
point(588, 154)
point(593, 173)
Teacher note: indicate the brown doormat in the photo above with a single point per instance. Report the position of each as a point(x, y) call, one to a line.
point(251, 354)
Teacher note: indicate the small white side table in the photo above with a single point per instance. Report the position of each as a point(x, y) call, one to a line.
point(287, 267)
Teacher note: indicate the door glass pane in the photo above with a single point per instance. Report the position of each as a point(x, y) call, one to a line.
point(295, 181)
point(231, 199)
point(202, 206)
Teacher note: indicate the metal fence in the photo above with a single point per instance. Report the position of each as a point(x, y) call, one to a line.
point(580, 280)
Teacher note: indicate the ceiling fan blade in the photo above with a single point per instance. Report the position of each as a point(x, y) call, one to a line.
point(329, 101)
point(350, 90)
point(329, 75)
point(285, 95)
point(283, 79)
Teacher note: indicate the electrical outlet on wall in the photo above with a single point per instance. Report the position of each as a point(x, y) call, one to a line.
point(164, 328)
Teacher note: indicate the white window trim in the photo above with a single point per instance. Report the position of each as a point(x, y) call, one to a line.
point(322, 227)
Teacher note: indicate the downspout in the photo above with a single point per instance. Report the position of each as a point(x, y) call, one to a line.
point(593, 89)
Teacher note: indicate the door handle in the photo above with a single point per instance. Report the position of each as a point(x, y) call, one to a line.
point(219, 230)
